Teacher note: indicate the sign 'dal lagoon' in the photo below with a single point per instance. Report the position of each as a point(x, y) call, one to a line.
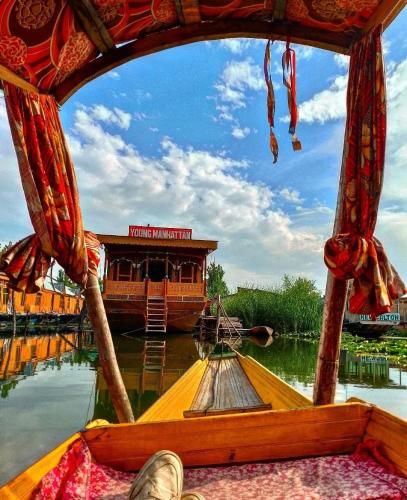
point(156, 233)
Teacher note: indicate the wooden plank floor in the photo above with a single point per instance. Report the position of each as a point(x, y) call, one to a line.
point(225, 387)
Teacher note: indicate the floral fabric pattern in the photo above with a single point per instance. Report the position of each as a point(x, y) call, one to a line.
point(44, 42)
point(50, 188)
point(347, 477)
point(354, 253)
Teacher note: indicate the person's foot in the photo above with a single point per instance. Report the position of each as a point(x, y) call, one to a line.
point(160, 478)
point(191, 495)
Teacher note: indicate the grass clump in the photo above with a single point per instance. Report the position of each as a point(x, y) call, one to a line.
point(293, 306)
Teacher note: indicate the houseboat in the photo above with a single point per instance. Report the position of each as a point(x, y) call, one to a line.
point(43, 302)
point(366, 326)
point(154, 279)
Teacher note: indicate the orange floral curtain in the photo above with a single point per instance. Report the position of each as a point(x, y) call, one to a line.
point(355, 253)
point(50, 188)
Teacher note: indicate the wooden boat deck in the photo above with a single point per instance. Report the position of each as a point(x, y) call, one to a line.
point(225, 388)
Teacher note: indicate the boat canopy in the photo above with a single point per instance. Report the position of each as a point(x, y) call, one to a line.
point(58, 46)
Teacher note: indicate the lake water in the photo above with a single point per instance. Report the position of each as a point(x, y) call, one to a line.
point(49, 390)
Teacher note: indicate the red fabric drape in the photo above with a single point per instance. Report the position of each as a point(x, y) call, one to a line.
point(50, 188)
point(355, 253)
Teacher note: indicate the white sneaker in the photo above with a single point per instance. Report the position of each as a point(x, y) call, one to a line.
point(160, 478)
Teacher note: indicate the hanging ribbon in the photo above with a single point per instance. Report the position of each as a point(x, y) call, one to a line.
point(271, 103)
point(289, 80)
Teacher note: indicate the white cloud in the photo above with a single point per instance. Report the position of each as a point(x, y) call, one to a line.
point(114, 75)
point(206, 191)
point(239, 45)
point(395, 182)
point(140, 116)
point(115, 116)
point(291, 195)
point(240, 133)
point(301, 51)
point(237, 78)
point(329, 104)
point(342, 60)
point(224, 113)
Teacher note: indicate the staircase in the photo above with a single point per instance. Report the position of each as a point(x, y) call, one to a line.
point(156, 315)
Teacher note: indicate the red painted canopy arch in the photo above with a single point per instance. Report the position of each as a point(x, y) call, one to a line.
point(56, 46)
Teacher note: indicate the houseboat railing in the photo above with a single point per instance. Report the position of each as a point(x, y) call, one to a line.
point(151, 288)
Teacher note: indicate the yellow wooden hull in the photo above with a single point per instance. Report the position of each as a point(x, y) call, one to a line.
point(292, 429)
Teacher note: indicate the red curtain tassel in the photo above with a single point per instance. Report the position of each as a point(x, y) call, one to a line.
point(289, 80)
point(271, 103)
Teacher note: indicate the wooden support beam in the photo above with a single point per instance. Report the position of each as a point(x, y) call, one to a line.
point(332, 320)
point(216, 30)
point(330, 341)
point(385, 13)
point(279, 7)
point(188, 11)
point(92, 24)
point(9, 76)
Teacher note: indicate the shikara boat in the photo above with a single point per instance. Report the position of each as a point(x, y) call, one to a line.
point(232, 413)
point(267, 422)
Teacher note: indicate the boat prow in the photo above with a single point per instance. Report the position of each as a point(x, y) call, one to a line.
point(224, 385)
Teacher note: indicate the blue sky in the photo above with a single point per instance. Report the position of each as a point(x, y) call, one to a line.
point(180, 138)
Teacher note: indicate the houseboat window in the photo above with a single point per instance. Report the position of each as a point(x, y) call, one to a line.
point(187, 273)
point(5, 296)
point(124, 270)
point(156, 270)
point(38, 299)
point(62, 301)
point(22, 303)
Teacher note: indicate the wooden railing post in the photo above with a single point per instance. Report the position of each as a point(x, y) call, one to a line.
point(107, 355)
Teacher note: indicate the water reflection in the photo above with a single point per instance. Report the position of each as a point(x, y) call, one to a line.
point(291, 359)
point(144, 386)
point(23, 355)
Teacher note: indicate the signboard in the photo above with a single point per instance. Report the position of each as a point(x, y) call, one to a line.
point(155, 233)
point(388, 317)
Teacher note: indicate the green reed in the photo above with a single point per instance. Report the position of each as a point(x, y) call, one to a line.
point(293, 306)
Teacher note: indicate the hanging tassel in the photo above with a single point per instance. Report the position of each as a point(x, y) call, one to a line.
point(289, 80)
point(271, 103)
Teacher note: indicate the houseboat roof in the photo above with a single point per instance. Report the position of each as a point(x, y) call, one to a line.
point(113, 239)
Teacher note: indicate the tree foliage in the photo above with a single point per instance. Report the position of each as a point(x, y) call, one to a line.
point(5, 247)
point(216, 284)
point(62, 282)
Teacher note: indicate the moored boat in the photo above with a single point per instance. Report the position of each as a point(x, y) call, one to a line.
point(155, 279)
